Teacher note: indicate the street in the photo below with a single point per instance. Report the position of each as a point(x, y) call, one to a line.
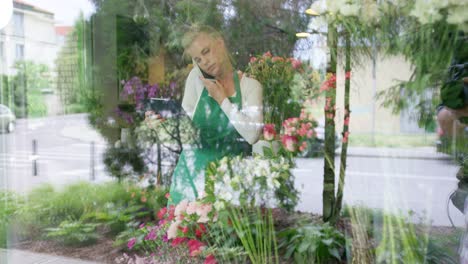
point(64, 155)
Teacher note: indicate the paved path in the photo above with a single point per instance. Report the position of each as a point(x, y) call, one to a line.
point(14, 256)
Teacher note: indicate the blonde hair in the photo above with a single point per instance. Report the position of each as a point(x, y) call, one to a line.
point(194, 31)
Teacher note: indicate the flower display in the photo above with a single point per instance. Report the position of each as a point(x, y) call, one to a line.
point(135, 94)
point(252, 181)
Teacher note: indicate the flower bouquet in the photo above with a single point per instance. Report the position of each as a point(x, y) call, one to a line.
point(276, 74)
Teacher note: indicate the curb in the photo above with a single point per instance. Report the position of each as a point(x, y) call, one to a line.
point(422, 154)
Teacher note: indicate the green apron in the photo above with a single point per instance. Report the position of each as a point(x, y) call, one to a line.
point(219, 138)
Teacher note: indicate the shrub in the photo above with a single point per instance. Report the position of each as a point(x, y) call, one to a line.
point(312, 243)
point(74, 233)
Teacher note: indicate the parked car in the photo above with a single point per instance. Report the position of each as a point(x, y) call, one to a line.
point(7, 119)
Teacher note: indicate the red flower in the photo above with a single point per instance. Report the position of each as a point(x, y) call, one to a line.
point(167, 196)
point(162, 212)
point(210, 259)
point(195, 247)
point(269, 132)
point(184, 229)
point(200, 230)
point(171, 213)
point(177, 241)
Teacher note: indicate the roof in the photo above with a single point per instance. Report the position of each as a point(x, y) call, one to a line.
point(63, 30)
point(26, 6)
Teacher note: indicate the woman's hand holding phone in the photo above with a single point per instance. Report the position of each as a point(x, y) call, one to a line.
point(215, 89)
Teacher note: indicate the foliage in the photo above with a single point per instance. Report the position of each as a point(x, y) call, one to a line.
point(117, 216)
point(9, 204)
point(312, 243)
point(256, 233)
point(35, 74)
point(47, 207)
point(251, 181)
point(74, 233)
point(22, 91)
point(71, 76)
point(393, 238)
point(124, 162)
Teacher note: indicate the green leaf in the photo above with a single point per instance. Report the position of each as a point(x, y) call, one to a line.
point(334, 252)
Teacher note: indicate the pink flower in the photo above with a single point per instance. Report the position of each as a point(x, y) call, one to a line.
point(330, 116)
point(203, 211)
point(185, 229)
point(303, 146)
point(195, 247)
point(276, 58)
point(192, 207)
point(267, 54)
point(289, 142)
point(143, 199)
point(167, 196)
point(151, 235)
point(310, 133)
point(210, 259)
point(269, 132)
point(253, 59)
point(344, 140)
point(180, 208)
point(346, 121)
point(296, 63)
point(348, 75)
point(131, 243)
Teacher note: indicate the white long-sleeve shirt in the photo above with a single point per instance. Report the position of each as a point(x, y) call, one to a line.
point(248, 121)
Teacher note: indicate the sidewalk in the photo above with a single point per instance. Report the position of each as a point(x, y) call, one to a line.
point(14, 256)
point(429, 153)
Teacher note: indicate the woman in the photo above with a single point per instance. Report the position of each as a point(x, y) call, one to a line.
point(227, 111)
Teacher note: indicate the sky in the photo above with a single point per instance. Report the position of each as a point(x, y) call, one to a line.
point(65, 11)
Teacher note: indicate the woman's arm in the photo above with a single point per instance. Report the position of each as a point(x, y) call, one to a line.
point(249, 120)
point(191, 96)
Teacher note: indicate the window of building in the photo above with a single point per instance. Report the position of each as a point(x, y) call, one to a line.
point(18, 21)
point(19, 52)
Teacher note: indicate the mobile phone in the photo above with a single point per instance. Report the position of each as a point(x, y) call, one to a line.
point(207, 76)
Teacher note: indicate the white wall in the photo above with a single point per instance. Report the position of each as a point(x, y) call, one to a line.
point(39, 40)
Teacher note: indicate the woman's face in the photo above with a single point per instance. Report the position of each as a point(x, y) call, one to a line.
point(208, 53)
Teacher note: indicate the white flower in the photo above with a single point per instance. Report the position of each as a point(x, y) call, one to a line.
point(227, 196)
point(319, 7)
point(349, 10)
point(457, 15)
point(426, 11)
point(172, 230)
point(219, 205)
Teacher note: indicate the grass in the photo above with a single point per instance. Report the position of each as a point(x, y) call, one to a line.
point(47, 206)
point(393, 141)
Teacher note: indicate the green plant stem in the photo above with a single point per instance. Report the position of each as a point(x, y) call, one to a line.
point(329, 167)
point(344, 147)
